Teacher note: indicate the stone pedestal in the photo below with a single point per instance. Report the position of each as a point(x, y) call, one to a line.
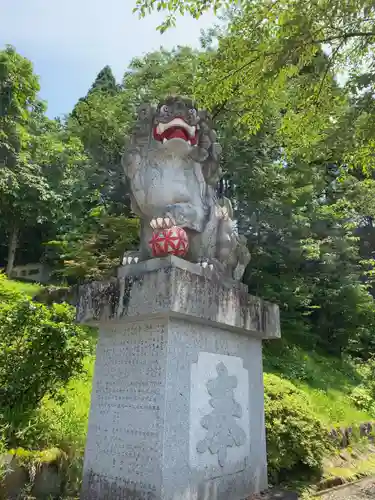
point(177, 401)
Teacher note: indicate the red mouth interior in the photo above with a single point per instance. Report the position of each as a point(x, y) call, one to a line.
point(174, 133)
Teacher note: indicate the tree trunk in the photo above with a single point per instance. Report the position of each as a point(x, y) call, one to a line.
point(13, 242)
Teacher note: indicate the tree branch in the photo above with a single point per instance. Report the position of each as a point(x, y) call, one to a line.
point(346, 36)
point(329, 65)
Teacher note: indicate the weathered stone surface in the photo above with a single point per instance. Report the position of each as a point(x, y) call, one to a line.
point(15, 479)
point(177, 288)
point(32, 477)
point(48, 482)
point(177, 402)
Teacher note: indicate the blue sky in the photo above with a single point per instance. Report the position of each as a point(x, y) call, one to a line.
point(69, 41)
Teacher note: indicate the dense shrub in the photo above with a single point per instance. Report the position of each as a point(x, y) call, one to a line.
point(296, 439)
point(363, 395)
point(370, 376)
point(41, 348)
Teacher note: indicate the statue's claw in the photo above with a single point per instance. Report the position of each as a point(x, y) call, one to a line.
point(206, 264)
point(162, 223)
point(129, 259)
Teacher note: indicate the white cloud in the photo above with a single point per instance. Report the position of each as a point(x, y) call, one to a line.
point(69, 41)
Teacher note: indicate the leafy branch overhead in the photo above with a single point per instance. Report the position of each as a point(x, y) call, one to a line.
point(266, 48)
point(193, 7)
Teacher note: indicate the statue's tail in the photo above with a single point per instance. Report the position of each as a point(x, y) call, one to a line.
point(227, 208)
point(244, 258)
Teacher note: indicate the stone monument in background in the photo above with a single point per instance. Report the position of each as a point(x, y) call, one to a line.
point(177, 409)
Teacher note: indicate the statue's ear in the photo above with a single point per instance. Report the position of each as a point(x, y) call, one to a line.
point(202, 113)
point(204, 116)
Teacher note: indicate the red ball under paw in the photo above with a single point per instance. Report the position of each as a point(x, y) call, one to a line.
point(172, 241)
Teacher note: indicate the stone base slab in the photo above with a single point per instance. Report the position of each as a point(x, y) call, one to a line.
point(175, 287)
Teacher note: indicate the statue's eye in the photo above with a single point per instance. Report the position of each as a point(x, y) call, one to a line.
point(164, 109)
point(193, 112)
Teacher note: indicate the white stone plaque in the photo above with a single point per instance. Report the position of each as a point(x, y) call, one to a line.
point(219, 439)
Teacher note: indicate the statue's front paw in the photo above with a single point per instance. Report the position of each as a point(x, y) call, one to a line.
point(212, 266)
point(162, 222)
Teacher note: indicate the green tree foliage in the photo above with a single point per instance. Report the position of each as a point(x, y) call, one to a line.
point(21, 187)
point(300, 214)
point(161, 73)
point(268, 44)
point(105, 82)
point(38, 160)
point(101, 227)
point(94, 249)
point(100, 119)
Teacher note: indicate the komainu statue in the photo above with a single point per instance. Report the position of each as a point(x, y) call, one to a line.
point(172, 164)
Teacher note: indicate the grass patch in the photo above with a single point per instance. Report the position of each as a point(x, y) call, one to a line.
point(63, 422)
point(334, 407)
point(327, 382)
point(29, 289)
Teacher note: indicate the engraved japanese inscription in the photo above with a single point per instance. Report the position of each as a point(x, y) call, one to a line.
point(219, 427)
point(126, 424)
point(221, 424)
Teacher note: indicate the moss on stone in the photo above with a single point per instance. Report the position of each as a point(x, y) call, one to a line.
point(51, 456)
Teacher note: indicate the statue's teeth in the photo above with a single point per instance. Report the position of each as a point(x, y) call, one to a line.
point(160, 128)
point(176, 122)
point(192, 130)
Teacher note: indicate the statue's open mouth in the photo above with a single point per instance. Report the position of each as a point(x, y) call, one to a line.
point(176, 129)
